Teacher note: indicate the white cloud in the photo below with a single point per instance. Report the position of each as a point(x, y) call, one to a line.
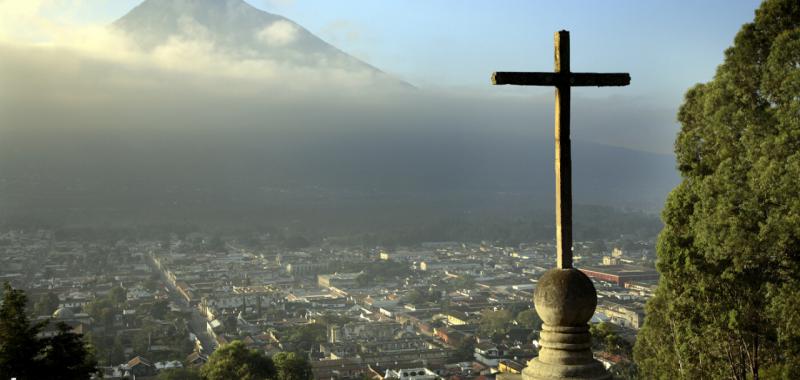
point(343, 31)
point(279, 33)
point(29, 31)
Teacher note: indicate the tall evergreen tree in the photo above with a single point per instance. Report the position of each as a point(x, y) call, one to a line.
point(24, 355)
point(729, 254)
point(66, 356)
point(19, 346)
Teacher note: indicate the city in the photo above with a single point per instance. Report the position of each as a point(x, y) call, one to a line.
point(441, 309)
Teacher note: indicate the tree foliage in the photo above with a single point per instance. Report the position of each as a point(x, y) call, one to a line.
point(606, 338)
point(19, 345)
point(158, 309)
point(180, 374)
point(304, 338)
point(65, 356)
point(495, 322)
point(291, 366)
point(117, 295)
point(529, 319)
point(24, 355)
point(236, 361)
point(465, 350)
point(421, 296)
point(729, 254)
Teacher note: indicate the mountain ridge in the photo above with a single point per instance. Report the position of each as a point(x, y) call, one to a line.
point(237, 28)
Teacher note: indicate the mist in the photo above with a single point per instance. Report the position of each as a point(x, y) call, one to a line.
point(103, 130)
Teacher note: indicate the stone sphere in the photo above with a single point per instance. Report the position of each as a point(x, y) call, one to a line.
point(565, 297)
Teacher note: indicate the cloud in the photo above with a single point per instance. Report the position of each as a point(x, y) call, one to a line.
point(36, 28)
point(191, 56)
point(343, 31)
point(90, 74)
point(42, 21)
point(279, 33)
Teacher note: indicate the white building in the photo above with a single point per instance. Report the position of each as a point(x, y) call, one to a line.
point(411, 374)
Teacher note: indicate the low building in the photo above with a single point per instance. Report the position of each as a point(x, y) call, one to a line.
point(307, 268)
point(410, 374)
point(214, 327)
point(488, 354)
point(338, 280)
point(141, 367)
point(623, 315)
point(620, 274)
point(364, 331)
point(510, 366)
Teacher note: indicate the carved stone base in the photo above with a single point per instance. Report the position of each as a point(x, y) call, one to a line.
point(565, 354)
point(565, 300)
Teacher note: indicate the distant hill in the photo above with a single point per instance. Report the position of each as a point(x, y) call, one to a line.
point(201, 174)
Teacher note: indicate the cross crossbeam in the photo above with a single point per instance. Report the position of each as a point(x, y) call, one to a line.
point(563, 80)
point(560, 79)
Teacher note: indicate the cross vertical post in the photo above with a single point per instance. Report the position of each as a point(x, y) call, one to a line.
point(563, 80)
point(563, 160)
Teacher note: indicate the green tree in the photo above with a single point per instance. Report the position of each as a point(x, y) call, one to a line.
point(462, 282)
point(116, 353)
point(67, 357)
point(236, 361)
point(728, 254)
point(465, 350)
point(180, 374)
point(330, 318)
point(606, 338)
point(142, 340)
point(24, 356)
point(495, 322)
point(420, 296)
point(102, 311)
point(19, 346)
point(159, 308)
point(304, 338)
point(117, 296)
point(625, 370)
point(529, 319)
point(291, 366)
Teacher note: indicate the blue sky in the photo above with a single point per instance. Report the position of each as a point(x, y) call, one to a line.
point(666, 45)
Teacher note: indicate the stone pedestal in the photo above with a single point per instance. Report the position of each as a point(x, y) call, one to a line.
point(565, 299)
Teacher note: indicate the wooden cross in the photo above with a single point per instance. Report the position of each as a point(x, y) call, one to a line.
point(563, 80)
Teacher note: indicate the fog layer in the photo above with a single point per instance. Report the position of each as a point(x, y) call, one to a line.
point(95, 127)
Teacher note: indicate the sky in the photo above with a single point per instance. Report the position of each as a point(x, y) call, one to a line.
point(665, 45)
point(454, 46)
